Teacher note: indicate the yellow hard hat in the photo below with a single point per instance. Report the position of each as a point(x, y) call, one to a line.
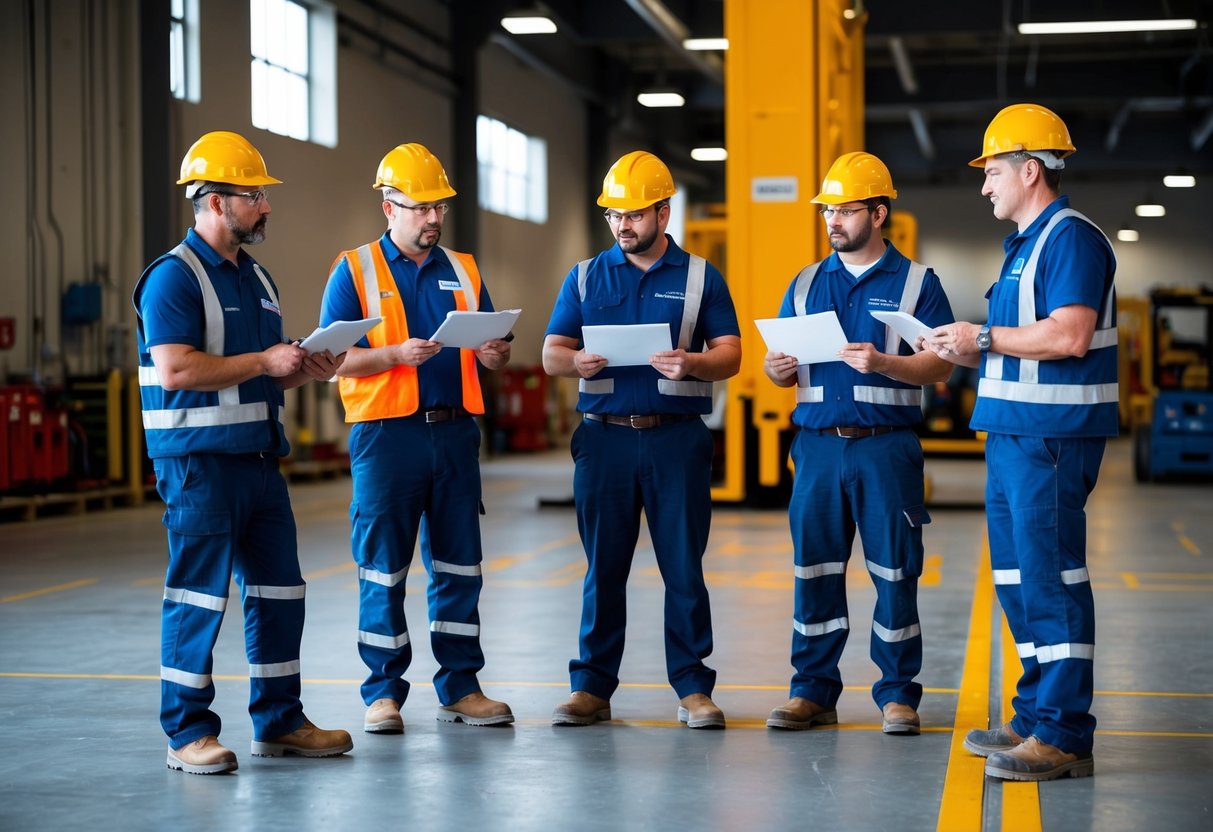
point(224, 157)
point(1027, 127)
point(415, 172)
point(636, 181)
point(855, 177)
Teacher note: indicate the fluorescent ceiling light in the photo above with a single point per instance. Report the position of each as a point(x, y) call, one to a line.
point(709, 154)
point(1179, 181)
point(528, 25)
point(1091, 27)
point(661, 99)
point(1148, 210)
point(1127, 235)
point(705, 44)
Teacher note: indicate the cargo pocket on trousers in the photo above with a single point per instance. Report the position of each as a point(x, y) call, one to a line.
point(196, 523)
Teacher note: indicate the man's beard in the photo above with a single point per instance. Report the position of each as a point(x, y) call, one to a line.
point(853, 243)
point(422, 243)
point(246, 235)
point(640, 244)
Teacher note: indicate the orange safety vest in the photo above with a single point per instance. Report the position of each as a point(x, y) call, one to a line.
point(395, 392)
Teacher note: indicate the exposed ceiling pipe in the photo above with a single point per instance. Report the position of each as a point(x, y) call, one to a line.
point(922, 133)
point(1202, 131)
point(901, 61)
point(673, 31)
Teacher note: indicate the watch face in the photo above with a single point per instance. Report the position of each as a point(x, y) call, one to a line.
point(983, 340)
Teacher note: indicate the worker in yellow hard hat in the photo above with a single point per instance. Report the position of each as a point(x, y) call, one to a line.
point(213, 364)
point(1047, 397)
point(857, 459)
point(642, 443)
point(414, 444)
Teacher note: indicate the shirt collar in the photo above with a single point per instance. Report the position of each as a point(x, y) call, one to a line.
point(673, 255)
point(1037, 224)
point(890, 261)
point(392, 252)
point(214, 259)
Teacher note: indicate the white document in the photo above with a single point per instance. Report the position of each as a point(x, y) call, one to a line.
point(905, 325)
point(627, 345)
point(338, 336)
point(469, 330)
point(811, 338)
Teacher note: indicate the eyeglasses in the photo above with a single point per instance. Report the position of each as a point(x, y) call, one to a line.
point(614, 217)
point(253, 197)
point(423, 211)
point(845, 213)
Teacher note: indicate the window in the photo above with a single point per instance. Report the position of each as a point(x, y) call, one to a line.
point(183, 73)
point(294, 69)
point(513, 171)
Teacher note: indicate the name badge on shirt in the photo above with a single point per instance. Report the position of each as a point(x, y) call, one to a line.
point(450, 285)
point(1017, 266)
point(266, 303)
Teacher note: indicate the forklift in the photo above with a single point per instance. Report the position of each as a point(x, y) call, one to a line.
point(1177, 440)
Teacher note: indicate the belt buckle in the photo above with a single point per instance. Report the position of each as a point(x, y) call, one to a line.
point(633, 421)
point(841, 435)
point(432, 416)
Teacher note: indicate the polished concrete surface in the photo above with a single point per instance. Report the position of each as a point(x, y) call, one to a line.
point(79, 643)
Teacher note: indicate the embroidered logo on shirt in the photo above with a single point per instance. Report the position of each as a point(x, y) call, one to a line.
point(231, 309)
point(883, 303)
point(1017, 266)
point(451, 285)
point(671, 295)
point(266, 303)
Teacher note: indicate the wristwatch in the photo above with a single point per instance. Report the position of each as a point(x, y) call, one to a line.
point(983, 339)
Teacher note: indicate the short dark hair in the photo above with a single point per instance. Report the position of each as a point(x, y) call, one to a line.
point(1051, 176)
point(880, 200)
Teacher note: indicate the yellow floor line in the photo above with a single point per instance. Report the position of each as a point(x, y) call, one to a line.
point(48, 590)
point(1020, 801)
point(960, 810)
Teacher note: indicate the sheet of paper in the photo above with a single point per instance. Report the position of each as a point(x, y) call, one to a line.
point(811, 338)
point(628, 345)
point(338, 336)
point(905, 325)
point(469, 330)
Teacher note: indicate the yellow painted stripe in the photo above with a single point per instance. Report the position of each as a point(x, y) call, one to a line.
point(331, 570)
point(960, 809)
point(1189, 544)
point(48, 590)
point(1020, 801)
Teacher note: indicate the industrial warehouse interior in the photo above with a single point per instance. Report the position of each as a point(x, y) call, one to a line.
point(527, 105)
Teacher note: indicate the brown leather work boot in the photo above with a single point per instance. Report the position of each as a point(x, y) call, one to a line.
point(699, 711)
point(800, 713)
point(203, 756)
point(476, 709)
point(307, 741)
point(581, 709)
point(900, 719)
point(383, 717)
point(985, 743)
point(1036, 760)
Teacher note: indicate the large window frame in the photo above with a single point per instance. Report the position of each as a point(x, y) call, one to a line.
point(513, 171)
point(293, 46)
point(184, 70)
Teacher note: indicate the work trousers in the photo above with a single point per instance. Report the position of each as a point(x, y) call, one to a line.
point(228, 515)
point(414, 477)
point(666, 471)
point(1036, 493)
point(873, 484)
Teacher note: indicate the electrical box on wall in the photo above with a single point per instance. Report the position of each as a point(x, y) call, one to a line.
point(82, 304)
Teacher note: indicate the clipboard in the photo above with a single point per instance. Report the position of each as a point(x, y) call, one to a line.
point(469, 330)
point(338, 336)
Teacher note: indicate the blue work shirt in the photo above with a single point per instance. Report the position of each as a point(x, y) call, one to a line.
point(879, 289)
point(169, 304)
point(618, 292)
point(1077, 266)
point(428, 293)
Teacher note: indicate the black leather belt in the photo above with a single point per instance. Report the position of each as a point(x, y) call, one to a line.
point(443, 414)
point(654, 420)
point(857, 433)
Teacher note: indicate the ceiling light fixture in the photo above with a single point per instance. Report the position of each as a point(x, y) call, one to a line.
point(1150, 209)
point(528, 25)
point(706, 44)
point(1127, 235)
point(661, 99)
point(1100, 27)
point(1179, 181)
point(709, 154)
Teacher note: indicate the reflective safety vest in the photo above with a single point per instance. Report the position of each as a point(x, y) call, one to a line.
point(693, 300)
point(180, 422)
point(887, 391)
point(1086, 388)
point(396, 392)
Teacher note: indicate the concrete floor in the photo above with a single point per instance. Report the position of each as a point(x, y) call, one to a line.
point(79, 645)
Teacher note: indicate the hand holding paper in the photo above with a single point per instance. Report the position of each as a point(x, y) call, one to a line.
point(812, 339)
point(338, 336)
point(628, 345)
point(905, 325)
point(468, 330)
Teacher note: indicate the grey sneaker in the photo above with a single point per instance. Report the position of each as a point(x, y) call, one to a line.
point(985, 743)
